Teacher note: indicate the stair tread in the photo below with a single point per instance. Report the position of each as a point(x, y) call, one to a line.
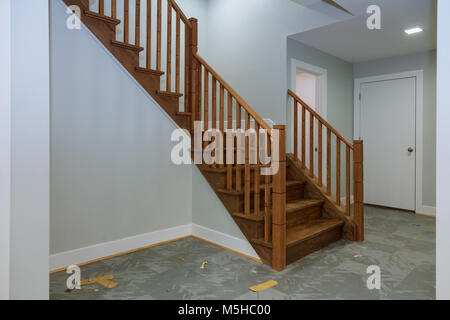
point(151, 71)
point(293, 206)
point(184, 114)
point(126, 45)
point(102, 17)
point(262, 186)
point(251, 217)
point(169, 94)
point(310, 230)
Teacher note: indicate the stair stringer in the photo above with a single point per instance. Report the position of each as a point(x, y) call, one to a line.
point(312, 189)
point(129, 59)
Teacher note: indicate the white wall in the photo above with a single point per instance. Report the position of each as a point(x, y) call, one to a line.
point(425, 61)
point(5, 146)
point(247, 46)
point(30, 149)
point(111, 173)
point(443, 152)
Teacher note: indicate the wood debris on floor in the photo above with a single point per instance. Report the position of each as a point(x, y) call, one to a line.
point(263, 286)
point(104, 281)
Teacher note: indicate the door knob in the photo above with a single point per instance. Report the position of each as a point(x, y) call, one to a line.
point(410, 149)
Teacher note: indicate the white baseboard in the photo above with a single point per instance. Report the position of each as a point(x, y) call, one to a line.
point(106, 249)
point(101, 250)
point(224, 240)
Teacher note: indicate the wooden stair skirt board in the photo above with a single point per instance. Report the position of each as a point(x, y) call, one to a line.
point(285, 216)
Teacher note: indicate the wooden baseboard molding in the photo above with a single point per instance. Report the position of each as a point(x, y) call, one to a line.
point(426, 214)
point(429, 211)
point(108, 250)
point(389, 208)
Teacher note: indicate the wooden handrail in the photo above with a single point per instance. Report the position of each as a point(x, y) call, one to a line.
point(237, 97)
point(320, 119)
point(181, 13)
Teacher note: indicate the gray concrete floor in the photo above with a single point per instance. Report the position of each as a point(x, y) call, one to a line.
point(401, 244)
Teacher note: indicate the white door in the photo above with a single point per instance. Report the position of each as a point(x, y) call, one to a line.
point(388, 111)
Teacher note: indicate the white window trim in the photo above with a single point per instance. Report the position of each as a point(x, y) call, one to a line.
point(418, 74)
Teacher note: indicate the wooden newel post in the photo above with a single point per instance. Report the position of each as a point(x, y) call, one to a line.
point(193, 83)
point(279, 203)
point(358, 176)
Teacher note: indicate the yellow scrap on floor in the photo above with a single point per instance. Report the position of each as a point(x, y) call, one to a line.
point(104, 281)
point(263, 286)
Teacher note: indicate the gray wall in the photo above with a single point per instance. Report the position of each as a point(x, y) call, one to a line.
point(340, 83)
point(247, 46)
point(30, 150)
point(425, 61)
point(111, 172)
point(339, 95)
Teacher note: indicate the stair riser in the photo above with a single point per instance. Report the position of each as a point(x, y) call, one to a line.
point(252, 229)
point(295, 192)
point(237, 203)
point(303, 215)
point(307, 247)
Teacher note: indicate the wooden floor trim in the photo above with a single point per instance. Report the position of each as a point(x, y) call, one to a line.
point(402, 210)
point(390, 208)
point(426, 215)
point(122, 253)
point(156, 245)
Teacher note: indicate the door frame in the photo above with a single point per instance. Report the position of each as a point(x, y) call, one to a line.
point(418, 74)
point(321, 85)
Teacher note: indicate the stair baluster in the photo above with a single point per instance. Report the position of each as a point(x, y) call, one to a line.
point(126, 22)
point(101, 7)
point(356, 148)
point(137, 33)
point(149, 34)
point(114, 9)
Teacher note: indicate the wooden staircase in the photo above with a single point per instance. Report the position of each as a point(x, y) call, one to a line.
point(286, 214)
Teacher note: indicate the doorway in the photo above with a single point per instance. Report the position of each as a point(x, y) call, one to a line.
point(388, 117)
point(309, 82)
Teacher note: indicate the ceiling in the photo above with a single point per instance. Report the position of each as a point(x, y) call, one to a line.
point(351, 40)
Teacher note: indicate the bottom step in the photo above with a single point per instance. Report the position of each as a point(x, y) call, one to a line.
point(307, 238)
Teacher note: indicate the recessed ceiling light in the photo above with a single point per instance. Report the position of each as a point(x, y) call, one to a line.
point(414, 30)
